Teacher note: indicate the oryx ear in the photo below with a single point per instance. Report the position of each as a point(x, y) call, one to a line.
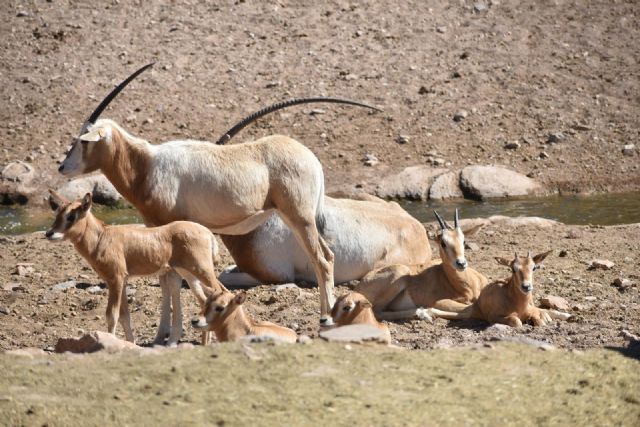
point(240, 298)
point(86, 202)
point(540, 257)
point(56, 200)
point(365, 304)
point(94, 135)
point(503, 261)
point(473, 230)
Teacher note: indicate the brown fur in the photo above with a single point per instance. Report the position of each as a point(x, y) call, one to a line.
point(354, 308)
point(224, 315)
point(504, 301)
point(118, 252)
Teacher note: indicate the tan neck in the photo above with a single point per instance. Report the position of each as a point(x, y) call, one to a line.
point(233, 326)
point(461, 281)
point(127, 164)
point(520, 299)
point(85, 234)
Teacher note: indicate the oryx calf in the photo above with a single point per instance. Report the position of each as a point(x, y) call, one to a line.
point(508, 301)
point(354, 308)
point(119, 252)
point(400, 292)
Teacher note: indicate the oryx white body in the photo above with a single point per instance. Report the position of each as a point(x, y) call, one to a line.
point(364, 235)
point(400, 291)
point(229, 189)
point(119, 252)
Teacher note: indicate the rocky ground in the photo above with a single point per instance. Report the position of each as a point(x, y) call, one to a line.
point(50, 292)
point(548, 89)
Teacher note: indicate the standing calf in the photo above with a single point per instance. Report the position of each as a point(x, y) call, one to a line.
point(223, 314)
point(399, 292)
point(119, 252)
point(509, 301)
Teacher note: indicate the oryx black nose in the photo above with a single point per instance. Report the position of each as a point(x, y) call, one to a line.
point(461, 263)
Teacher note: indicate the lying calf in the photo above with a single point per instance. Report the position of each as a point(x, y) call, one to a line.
point(508, 301)
point(354, 308)
point(122, 251)
point(224, 315)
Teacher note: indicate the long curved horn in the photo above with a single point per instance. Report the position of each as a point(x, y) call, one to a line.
point(455, 219)
point(280, 105)
point(443, 224)
point(107, 100)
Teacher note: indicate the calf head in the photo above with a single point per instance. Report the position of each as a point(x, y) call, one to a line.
point(349, 307)
point(69, 215)
point(450, 242)
point(218, 307)
point(522, 269)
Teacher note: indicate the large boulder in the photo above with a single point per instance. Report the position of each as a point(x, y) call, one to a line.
point(357, 333)
point(16, 181)
point(412, 183)
point(102, 191)
point(485, 182)
point(446, 186)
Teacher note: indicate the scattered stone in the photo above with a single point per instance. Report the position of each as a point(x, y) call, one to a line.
point(480, 7)
point(147, 121)
point(317, 112)
point(22, 14)
point(102, 191)
point(96, 290)
point(498, 327)
point(424, 90)
point(285, 286)
point(484, 182)
point(402, 139)
point(563, 253)
point(543, 155)
point(355, 333)
point(446, 186)
point(472, 246)
point(11, 286)
point(370, 160)
point(412, 183)
point(441, 29)
point(63, 286)
point(438, 162)
point(514, 145)
point(24, 269)
point(629, 150)
point(622, 284)
point(555, 137)
point(92, 342)
point(305, 339)
point(554, 302)
point(590, 298)
point(521, 221)
point(574, 234)
point(16, 181)
point(460, 115)
point(18, 172)
point(602, 264)
point(5, 311)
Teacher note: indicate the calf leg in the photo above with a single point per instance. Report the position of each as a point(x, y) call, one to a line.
point(125, 315)
point(175, 283)
point(165, 310)
point(511, 320)
point(116, 287)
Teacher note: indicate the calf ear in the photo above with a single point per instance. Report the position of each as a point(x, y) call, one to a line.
point(86, 202)
point(93, 136)
point(540, 257)
point(472, 230)
point(56, 200)
point(365, 304)
point(503, 261)
point(240, 298)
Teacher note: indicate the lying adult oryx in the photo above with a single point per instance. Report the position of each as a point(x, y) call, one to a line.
point(229, 189)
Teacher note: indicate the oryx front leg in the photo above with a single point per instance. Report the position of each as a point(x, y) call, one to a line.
point(125, 315)
point(116, 287)
point(174, 282)
point(164, 327)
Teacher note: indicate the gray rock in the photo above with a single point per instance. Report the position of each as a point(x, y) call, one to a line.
point(622, 284)
point(446, 186)
point(543, 155)
point(285, 286)
point(101, 190)
point(441, 29)
point(370, 160)
point(460, 115)
point(63, 286)
point(485, 182)
point(555, 137)
point(472, 246)
point(354, 333)
point(629, 150)
point(16, 181)
point(92, 342)
point(412, 183)
point(514, 145)
point(24, 269)
point(522, 221)
point(480, 7)
point(18, 172)
point(402, 139)
point(96, 290)
point(602, 264)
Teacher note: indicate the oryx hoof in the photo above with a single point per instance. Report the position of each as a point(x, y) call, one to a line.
point(424, 314)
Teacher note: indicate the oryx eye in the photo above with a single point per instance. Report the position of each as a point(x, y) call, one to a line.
point(71, 217)
point(346, 308)
point(443, 244)
point(219, 309)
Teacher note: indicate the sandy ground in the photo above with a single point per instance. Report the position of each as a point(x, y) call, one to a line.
point(520, 71)
point(36, 315)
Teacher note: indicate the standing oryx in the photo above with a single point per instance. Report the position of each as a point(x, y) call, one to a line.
point(229, 189)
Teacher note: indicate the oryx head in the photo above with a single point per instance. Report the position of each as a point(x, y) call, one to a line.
point(217, 307)
point(522, 269)
point(82, 158)
point(68, 214)
point(450, 241)
point(348, 307)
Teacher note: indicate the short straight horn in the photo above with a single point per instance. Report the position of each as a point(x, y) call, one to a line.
point(107, 100)
point(455, 220)
point(443, 225)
